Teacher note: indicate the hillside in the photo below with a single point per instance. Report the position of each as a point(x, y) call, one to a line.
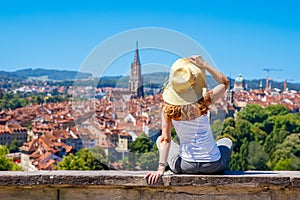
point(156, 80)
point(45, 74)
point(153, 80)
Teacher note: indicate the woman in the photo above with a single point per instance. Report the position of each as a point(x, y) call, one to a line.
point(186, 107)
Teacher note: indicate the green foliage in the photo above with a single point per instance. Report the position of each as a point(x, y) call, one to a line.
point(130, 161)
point(52, 74)
point(5, 163)
point(217, 127)
point(257, 157)
point(18, 100)
point(284, 125)
point(14, 146)
point(253, 113)
point(174, 136)
point(242, 133)
point(3, 150)
point(85, 159)
point(149, 161)
point(111, 158)
point(276, 110)
point(268, 124)
point(287, 154)
point(263, 138)
point(71, 162)
point(141, 145)
point(259, 135)
point(289, 122)
point(234, 162)
point(229, 122)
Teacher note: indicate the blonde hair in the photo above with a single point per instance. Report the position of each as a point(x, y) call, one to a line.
point(187, 112)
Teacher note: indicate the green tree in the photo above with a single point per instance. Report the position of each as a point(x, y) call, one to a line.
point(130, 161)
point(253, 113)
point(5, 163)
point(149, 161)
point(99, 153)
point(259, 135)
point(284, 125)
point(276, 110)
point(14, 145)
point(244, 155)
point(268, 124)
point(71, 162)
point(111, 158)
point(242, 133)
point(84, 159)
point(289, 122)
point(286, 155)
point(234, 162)
point(216, 128)
point(229, 122)
point(93, 161)
point(257, 158)
point(141, 145)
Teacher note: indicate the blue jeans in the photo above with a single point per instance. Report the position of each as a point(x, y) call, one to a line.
point(181, 166)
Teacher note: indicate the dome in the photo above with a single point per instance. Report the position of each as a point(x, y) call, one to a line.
point(239, 78)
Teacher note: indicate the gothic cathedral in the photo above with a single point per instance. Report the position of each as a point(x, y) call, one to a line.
point(136, 79)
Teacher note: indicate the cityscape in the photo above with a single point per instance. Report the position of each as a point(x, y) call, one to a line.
point(84, 89)
point(66, 120)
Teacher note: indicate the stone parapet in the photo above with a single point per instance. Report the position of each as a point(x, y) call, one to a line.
point(132, 185)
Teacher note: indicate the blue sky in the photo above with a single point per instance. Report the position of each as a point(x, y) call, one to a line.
point(242, 37)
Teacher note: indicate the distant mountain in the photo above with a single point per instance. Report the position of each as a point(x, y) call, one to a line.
point(46, 74)
point(255, 84)
point(153, 80)
point(157, 79)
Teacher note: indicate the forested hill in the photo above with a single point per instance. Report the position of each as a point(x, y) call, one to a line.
point(45, 74)
point(157, 79)
point(154, 80)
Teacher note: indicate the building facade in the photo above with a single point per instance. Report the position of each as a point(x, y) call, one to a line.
point(239, 84)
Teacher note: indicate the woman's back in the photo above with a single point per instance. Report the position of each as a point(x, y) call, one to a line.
point(196, 140)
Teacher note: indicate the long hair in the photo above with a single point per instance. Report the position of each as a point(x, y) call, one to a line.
point(187, 112)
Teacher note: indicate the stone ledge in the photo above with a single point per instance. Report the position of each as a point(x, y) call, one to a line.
point(136, 178)
point(94, 185)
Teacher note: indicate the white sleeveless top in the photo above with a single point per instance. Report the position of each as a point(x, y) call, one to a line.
point(196, 140)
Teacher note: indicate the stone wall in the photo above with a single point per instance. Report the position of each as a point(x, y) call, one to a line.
point(90, 185)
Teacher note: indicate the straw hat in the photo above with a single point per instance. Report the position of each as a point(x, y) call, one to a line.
point(186, 83)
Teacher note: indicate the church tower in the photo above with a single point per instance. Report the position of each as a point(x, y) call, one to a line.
point(229, 94)
point(136, 79)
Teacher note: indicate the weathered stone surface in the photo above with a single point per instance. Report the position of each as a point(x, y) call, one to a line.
point(130, 178)
point(132, 185)
point(295, 181)
point(28, 193)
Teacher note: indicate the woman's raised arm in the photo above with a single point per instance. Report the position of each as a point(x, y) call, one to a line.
point(220, 89)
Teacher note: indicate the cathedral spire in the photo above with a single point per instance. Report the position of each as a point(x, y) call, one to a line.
point(136, 56)
point(136, 79)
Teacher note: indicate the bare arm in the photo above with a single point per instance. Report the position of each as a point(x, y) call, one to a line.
point(220, 89)
point(165, 141)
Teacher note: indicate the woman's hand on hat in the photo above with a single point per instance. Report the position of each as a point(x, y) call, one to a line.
point(198, 61)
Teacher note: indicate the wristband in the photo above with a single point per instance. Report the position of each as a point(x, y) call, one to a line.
point(161, 164)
